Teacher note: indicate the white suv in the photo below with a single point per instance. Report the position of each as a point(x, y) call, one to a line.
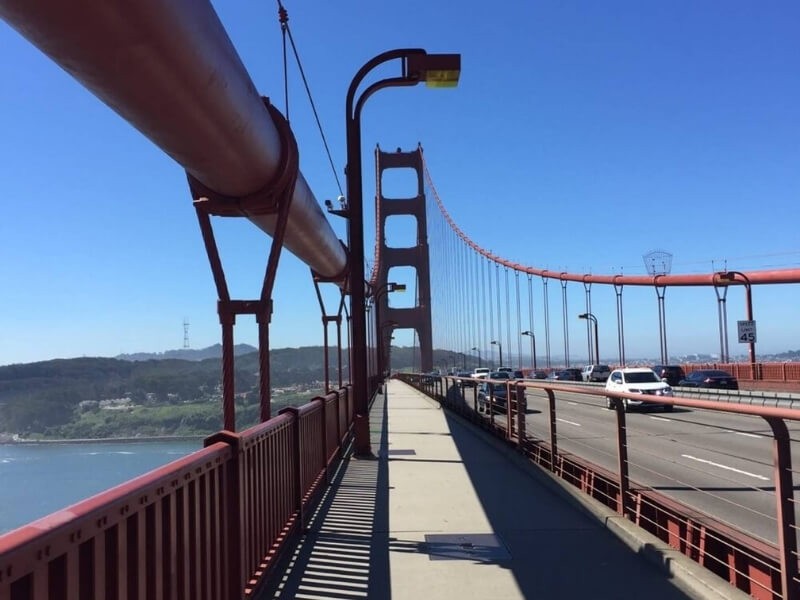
point(595, 373)
point(480, 373)
point(636, 381)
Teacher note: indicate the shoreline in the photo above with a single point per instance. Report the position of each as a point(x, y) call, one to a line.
point(107, 440)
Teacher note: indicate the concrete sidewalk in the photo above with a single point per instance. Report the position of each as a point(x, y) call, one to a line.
point(445, 511)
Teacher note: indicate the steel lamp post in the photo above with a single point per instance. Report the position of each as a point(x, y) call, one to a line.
point(500, 346)
point(592, 318)
point(533, 346)
point(479, 355)
point(437, 70)
point(383, 289)
point(731, 276)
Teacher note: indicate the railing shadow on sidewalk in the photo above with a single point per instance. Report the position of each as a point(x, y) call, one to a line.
point(345, 550)
point(556, 550)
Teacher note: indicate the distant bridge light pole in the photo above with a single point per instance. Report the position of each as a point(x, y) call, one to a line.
point(500, 346)
point(463, 361)
point(437, 70)
point(384, 289)
point(591, 317)
point(731, 276)
point(533, 346)
point(479, 355)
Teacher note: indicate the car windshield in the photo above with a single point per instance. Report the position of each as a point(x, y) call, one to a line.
point(715, 374)
point(642, 377)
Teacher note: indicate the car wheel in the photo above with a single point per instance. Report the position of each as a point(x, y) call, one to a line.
point(669, 408)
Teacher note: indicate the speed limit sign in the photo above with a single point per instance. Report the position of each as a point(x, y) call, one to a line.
point(747, 332)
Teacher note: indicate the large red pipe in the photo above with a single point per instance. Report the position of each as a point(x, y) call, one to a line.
point(169, 68)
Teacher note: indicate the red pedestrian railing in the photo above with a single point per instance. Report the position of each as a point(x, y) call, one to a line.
point(207, 526)
point(765, 570)
point(780, 372)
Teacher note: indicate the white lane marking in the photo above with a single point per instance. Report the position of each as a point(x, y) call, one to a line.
point(713, 464)
point(752, 435)
point(570, 422)
point(661, 419)
point(573, 403)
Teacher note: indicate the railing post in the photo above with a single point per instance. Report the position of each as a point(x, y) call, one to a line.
point(551, 403)
point(622, 458)
point(339, 435)
point(298, 457)
point(522, 410)
point(509, 418)
point(235, 536)
point(324, 408)
point(784, 499)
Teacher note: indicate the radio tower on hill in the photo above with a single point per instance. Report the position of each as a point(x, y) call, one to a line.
point(185, 333)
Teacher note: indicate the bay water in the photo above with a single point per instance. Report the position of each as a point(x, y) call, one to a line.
point(38, 479)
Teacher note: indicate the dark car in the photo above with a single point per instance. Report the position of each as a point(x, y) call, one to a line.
point(432, 377)
point(467, 379)
point(672, 374)
point(567, 375)
point(539, 374)
point(496, 392)
point(492, 394)
point(710, 378)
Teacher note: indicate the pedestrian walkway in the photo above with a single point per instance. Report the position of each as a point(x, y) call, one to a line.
point(444, 511)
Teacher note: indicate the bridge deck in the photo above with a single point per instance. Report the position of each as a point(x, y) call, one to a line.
point(445, 511)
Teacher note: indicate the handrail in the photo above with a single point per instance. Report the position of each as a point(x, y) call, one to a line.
point(208, 525)
point(759, 568)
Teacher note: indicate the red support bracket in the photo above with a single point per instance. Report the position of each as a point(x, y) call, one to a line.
point(275, 197)
point(326, 320)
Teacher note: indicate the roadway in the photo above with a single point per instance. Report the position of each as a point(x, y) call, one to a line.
point(717, 463)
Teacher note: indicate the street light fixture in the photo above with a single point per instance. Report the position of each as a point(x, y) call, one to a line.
point(591, 317)
point(479, 355)
point(385, 288)
point(438, 70)
point(499, 345)
point(731, 276)
point(533, 346)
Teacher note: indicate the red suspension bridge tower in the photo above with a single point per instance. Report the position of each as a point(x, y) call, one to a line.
point(417, 317)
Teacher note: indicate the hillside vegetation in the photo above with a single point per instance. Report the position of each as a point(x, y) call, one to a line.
point(110, 397)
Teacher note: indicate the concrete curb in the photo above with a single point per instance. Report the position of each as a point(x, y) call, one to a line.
point(689, 577)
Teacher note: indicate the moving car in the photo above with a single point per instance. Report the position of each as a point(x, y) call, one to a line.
point(496, 392)
point(567, 375)
point(595, 372)
point(636, 381)
point(494, 395)
point(480, 372)
point(710, 378)
point(466, 378)
point(672, 373)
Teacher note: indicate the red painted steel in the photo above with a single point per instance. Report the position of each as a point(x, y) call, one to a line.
point(120, 542)
point(710, 279)
point(169, 68)
point(776, 372)
point(763, 570)
point(208, 526)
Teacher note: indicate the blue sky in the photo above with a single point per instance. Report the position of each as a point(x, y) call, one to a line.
point(581, 136)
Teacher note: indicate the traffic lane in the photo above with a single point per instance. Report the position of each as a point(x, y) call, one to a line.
point(734, 488)
point(682, 423)
point(658, 463)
